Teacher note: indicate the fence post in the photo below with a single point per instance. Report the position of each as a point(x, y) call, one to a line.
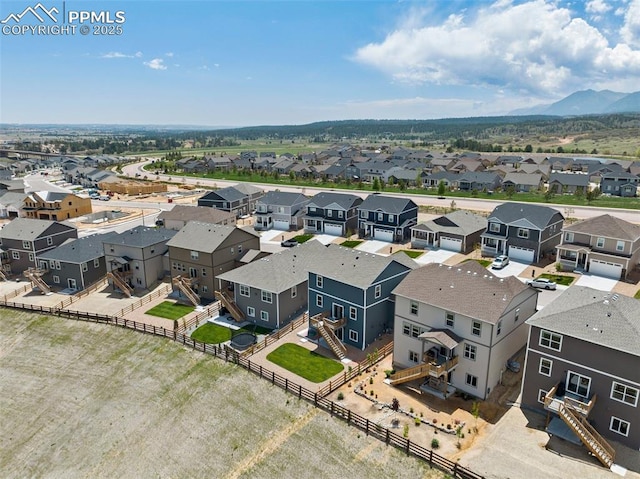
point(299, 391)
point(249, 364)
point(386, 439)
point(349, 417)
point(367, 427)
point(315, 399)
point(430, 457)
point(286, 384)
point(455, 469)
point(332, 408)
point(408, 445)
point(273, 377)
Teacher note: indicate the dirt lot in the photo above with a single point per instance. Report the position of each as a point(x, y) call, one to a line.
point(88, 400)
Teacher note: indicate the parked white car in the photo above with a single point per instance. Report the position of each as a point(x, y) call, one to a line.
point(542, 283)
point(500, 262)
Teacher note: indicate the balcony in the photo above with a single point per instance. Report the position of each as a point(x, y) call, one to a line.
point(553, 400)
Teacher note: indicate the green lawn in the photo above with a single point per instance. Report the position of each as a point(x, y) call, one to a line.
point(211, 333)
point(351, 243)
point(483, 262)
point(410, 253)
point(305, 363)
point(302, 238)
point(558, 278)
point(170, 310)
point(637, 295)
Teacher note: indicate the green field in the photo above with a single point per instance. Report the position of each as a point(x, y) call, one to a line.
point(170, 310)
point(305, 363)
point(351, 243)
point(410, 253)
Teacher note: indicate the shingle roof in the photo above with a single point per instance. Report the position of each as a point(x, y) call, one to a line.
point(141, 237)
point(607, 225)
point(510, 212)
point(345, 201)
point(279, 271)
point(26, 229)
point(79, 250)
point(355, 267)
point(532, 179)
point(229, 194)
point(610, 320)
point(388, 204)
point(204, 237)
point(203, 214)
point(282, 198)
point(570, 179)
point(459, 222)
point(467, 289)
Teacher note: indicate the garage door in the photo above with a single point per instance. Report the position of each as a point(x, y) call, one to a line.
point(523, 255)
point(281, 225)
point(451, 244)
point(383, 235)
point(602, 268)
point(335, 230)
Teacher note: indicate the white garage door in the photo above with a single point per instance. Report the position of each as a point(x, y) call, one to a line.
point(602, 268)
point(523, 255)
point(335, 230)
point(281, 225)
point(451, 244)
point(383, 235)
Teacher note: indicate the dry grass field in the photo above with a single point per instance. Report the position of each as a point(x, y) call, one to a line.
point(87, 400)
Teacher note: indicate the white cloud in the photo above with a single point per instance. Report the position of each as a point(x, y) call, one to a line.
point(121, 55)
point(597, 6)
point(536, 47)
point(156, 64)
point(630, 31)
point(169, 54)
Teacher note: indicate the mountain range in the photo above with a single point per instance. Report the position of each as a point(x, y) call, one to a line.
point(587, 102)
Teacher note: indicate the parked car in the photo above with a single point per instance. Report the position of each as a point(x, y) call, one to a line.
point(542, 283)
point(104, 198)
point(500, 262)
point(290, 243)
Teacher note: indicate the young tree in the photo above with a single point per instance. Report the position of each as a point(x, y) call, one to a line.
point(376, 184)
point(441, 188)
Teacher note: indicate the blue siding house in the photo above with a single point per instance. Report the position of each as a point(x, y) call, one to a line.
point(352, 291)
point(387, 218)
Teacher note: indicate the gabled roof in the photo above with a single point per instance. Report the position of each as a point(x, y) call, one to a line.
point(247, 189)
point(230, 193)
point(279, 271)
point(12, 198)
point(569, 179)
point(282, 198)
point(459, 222)
point(531, 179)
point(388, 204)
point(479, 177)
point(343, 200)
point(538, 216)
point(619, 174)
point(203, 214)
point(204, 237)
point(606, 226)
point(48, 196)
point(467, 289)
point(28, 229)
point(79, 250)
point(605, 319)
point(357, 268)
point(141, 237)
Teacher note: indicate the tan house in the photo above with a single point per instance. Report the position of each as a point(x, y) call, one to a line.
point(180, 215)
point(199, 252)
point(55, 206)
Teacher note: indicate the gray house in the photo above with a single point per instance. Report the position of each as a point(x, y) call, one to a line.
point(351, 292)
point(273, 290)
point(240, 199)
point(280, 210)
point(523, 181)
point(478, 181)
point(620, 183)
point(386, 218)
point(583, 367)
point(568, 182)
point(76, 264)
point(332, 213)
point(457, 231)
point(522, 231)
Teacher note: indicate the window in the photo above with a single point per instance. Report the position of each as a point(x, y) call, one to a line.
point(294, 291)
point(619, 426)
point(541, 395)
point(204, 271)
point(31, 257)
point(85, 267)
point(450, 319)
point(26, 244)
point(380, 216)
point(251, 311)
point(620, 246)
point(264, 315)
point(377, 291)
point(363, 214)
point(600, 243)
point(476, 328)
point(49, 240)
point(414, 357)
point(578, 384)
point(470, 351)
point(494, 227)
point(194, 255)
point(523, 233)
point(329, 213)
point(267, 296)
point(471, 380)
point(353, 313)
point(15, 254)
point(353, 335)
point(568, 237)
point(52, 264)
point(96, 263)
point(545, 366)
point(406, 329)
point(312, 209)
point(244, 290)
point(340, 214)
point(319, 281)
point(499, 328)
point(205, 288)
point(239, 248)
point(392, 218)
point(231, 250)
point(414, 307)
point(517, 315)
point(56, 279)
point(319, 301)
point(625, 394)
point(550, 340)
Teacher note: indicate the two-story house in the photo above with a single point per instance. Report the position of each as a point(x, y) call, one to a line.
point(620, 183)
point(604, 245)
point(332, 213)
point(280, 210)
point(23, 239)
point(386, 218)
point(568, 182)
point(458, 231)
point(523, 231)
point(55, 206)
point(180, 215)
point(135, 258)
point(273, 290)
point(455, 327)
point(583, 368)
point(240, 199)
point(350, 297)
point(199, 252)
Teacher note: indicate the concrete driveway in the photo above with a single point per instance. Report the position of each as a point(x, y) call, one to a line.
point(596, 282)
point(512, 269)
point(325, 239)
point(373, 246)
point(269, 235)
point(434, 256)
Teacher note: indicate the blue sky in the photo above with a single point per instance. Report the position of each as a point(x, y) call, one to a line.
point(241, 63)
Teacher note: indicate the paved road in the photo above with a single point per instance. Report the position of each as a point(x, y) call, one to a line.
point(579, 212)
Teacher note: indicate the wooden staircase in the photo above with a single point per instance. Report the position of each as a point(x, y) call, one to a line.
point(120, 283)
point(326, 328)
point(598, 446)
point(229, 303)
point(3, 277)
point(422, 370)
point(184, 284)
point(35, 276)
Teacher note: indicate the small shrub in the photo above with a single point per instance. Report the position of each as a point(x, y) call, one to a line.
point(417, 421)
point(389, 372)
point(411, 410)
point(559, 267)
point(370, 380)
point(371, 392)
point(435, 444)
point(421, 415)
point(458, 445)
point(435, 420)
point(405, 431)
point(340, 396)
point(462, 435)
point(456, 422)
point(349, 385)
point(449, 426)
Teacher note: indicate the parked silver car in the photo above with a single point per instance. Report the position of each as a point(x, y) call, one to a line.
point(500, 262)
point(542, 283)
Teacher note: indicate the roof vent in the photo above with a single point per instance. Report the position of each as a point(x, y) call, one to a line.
point(615, 297)
point(606, 301)
point(502, 280)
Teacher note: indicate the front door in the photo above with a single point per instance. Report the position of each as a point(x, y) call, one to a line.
point(337, 311)
point(71, 283)
point(578, 384)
